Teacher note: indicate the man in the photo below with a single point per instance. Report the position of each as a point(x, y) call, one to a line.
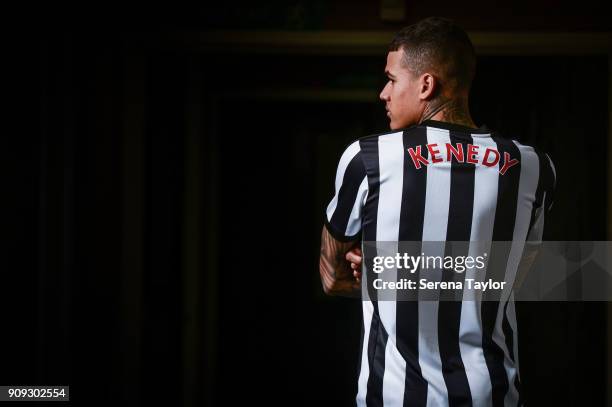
point(435, 177)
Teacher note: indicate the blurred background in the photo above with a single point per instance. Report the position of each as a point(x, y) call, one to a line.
point(167, 169)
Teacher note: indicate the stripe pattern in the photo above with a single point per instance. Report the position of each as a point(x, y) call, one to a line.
point(442, 182)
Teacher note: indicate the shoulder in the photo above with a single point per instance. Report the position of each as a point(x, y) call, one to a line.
point(543, 159)
point(363, 145)
point(376, 136)
point(524, 148)
point(351, 163)
point(368, 144)
point(544, 156)
point(350, 152)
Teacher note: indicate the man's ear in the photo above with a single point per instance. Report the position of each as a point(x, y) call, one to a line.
point(428, 86)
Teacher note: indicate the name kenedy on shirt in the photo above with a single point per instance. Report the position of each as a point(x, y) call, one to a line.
point(490, 158)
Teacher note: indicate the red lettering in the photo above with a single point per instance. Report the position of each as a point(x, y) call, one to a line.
point(433, 152)
point(456, 152)
point(507, 163)
point(417, 158)
point(472, 152)
point(485, 159)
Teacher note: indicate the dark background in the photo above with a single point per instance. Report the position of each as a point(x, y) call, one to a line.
point(164, 199)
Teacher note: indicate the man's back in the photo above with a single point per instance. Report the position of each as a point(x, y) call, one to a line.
point(439, 182)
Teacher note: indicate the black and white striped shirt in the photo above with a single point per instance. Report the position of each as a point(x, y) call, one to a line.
point(441, 182)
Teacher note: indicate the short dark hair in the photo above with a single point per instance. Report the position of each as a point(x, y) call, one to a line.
point(439, 45)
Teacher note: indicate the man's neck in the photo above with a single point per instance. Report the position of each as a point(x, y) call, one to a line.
point(455, 111)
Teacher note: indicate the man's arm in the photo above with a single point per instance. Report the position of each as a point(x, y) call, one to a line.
point(336, 273)
point(530, 252)
point(533, 242)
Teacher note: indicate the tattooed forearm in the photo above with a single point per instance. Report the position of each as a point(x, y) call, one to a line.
point(336, 273)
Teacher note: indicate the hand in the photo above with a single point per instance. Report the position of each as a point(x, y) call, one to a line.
point(354, 256)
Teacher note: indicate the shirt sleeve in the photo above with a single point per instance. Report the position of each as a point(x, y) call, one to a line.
point(343, 214)
point(544, 199)
point(551, 184)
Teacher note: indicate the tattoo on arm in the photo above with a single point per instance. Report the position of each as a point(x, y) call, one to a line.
point(336, 273)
